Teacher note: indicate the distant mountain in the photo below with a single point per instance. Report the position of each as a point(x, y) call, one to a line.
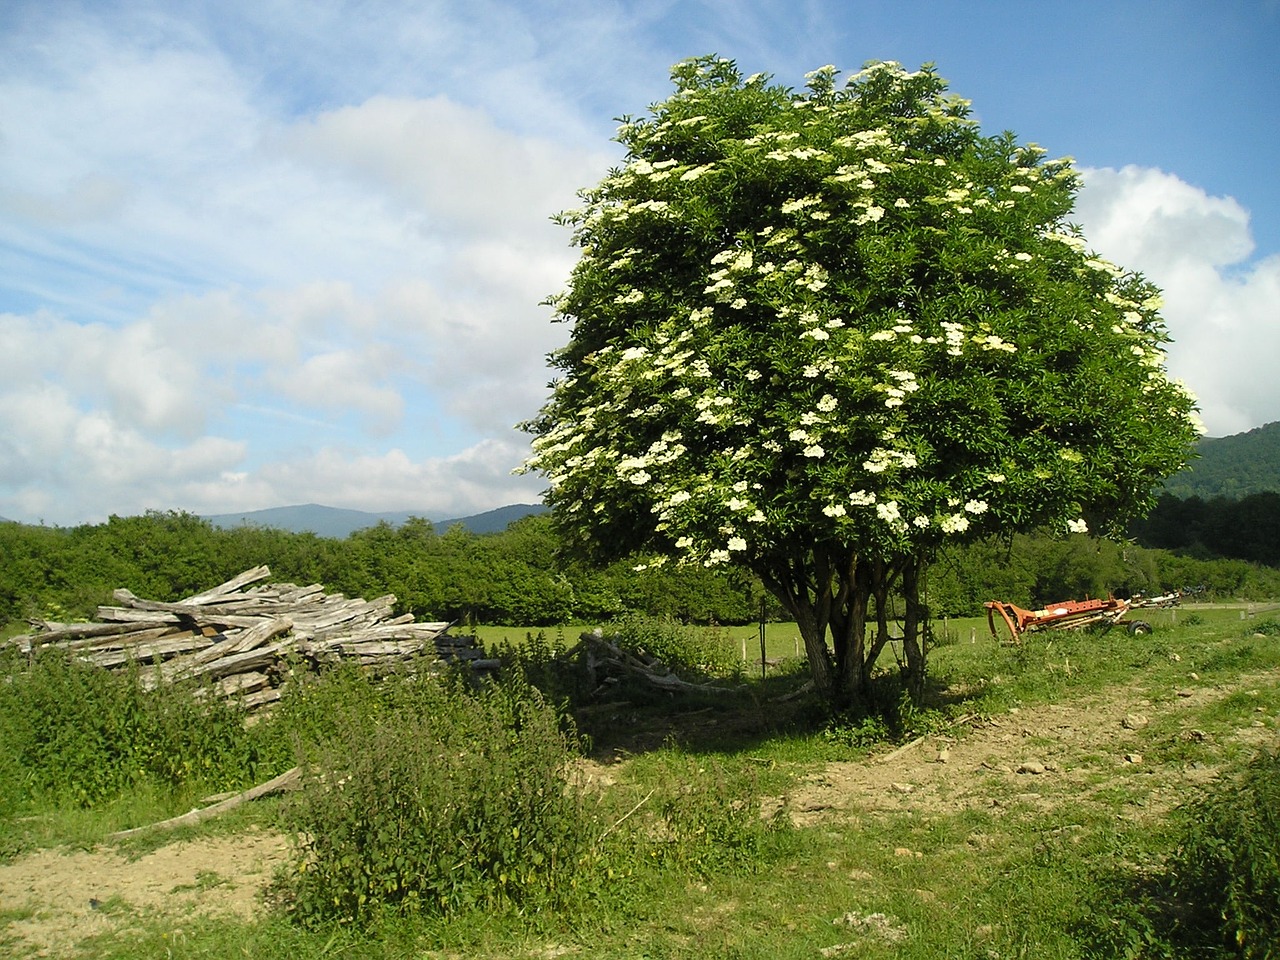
point(338, 523)
point(1232, 467)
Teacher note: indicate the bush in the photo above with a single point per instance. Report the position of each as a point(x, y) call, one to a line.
point(690, 651)
point(78, 734)
point(433, 798)
point(1225, 871)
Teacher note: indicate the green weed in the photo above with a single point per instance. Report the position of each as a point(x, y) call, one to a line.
point(1225, 871)
point(71, 733)
point(431, 798)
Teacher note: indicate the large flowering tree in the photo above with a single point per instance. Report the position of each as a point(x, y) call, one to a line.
point(822, 334)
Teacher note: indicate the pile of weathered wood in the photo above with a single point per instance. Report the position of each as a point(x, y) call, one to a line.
point(241, 640)
point(607, 664)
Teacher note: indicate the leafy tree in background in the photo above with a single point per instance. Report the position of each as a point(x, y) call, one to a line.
point(822, 334)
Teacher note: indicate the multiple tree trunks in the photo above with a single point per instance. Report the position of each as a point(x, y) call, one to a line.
point(239, 638)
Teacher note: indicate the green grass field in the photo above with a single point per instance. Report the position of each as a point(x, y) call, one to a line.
point(1029, 809)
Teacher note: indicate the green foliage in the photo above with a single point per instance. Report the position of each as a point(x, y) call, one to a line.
point(822, 334)
point(694, 652)
point(1244, 529)
point(857, 731)
point(71, 733)
point(1232, 467)
point(63, 575)
point(870, 288)
point(433, 798)
point(1225, 873)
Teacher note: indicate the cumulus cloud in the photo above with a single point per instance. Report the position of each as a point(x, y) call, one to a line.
point(449, 163)
point(234, 315)
point(1220, 305)
point(300, 257)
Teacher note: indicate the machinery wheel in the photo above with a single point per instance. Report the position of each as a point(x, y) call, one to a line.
point(1139, 628)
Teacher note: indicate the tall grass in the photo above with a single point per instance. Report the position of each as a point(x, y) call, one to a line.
point(1225, 872)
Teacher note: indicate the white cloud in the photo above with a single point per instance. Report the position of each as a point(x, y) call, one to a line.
point(475, 479)
point(447, 163)
point(1221, 307)
point(348, 381)
point(354, 299)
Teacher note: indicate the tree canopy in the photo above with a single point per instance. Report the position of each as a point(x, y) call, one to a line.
point(821, 333)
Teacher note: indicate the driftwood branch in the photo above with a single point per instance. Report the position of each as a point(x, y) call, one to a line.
point(624, 817)
point(605, 658)
point(893, 755)
point(289, 780)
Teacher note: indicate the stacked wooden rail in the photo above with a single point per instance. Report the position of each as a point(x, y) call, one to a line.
point(240, 637)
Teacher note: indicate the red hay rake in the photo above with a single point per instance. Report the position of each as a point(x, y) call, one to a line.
point(1074, 615)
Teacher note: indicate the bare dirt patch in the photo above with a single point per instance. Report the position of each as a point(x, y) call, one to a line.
point(1036, 757)
point(75, 894)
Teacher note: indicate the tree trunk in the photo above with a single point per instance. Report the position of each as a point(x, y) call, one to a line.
point(854, 678)
point(915, 615)
point(792, 589)
point(825, 679)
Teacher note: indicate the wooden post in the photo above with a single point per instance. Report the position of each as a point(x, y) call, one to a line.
point(764, 667)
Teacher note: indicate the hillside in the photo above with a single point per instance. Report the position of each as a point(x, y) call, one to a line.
point(339, 523)
point(1232, 467)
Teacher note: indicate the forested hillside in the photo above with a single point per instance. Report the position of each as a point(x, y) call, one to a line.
point(336, 522)
point(1232, 467)
point(521, 576)
point(1243, 529)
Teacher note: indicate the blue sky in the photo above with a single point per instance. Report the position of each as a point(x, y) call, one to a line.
point(263, 253)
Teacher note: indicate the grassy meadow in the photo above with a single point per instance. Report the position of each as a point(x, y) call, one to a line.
point(1049, 800)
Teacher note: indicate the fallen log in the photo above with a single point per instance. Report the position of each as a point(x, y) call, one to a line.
point(289, 780)
point(235, 583)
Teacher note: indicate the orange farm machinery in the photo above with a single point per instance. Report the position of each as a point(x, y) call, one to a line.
point(1074, 615)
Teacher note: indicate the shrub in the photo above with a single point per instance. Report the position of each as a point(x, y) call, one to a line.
point(543, 664)
point(81, 735)
point(690, 651)
point(431, 797)
point(1225, 872)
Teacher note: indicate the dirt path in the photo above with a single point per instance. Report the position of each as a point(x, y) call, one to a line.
point(1038, 757)
point(77, 894)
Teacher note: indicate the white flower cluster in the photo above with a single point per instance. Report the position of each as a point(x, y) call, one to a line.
point(993, 342)
point(954, 333)
point(904, 382)
point(882, 459)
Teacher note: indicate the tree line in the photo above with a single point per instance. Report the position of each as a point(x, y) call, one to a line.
point(527, 576)
point(1247, 528)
